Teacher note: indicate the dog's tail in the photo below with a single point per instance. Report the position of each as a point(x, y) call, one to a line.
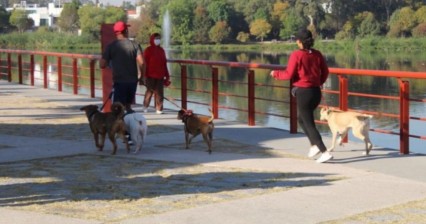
point(211, 115)
point(365, 116)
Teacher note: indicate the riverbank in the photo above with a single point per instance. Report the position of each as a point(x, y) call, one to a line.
point(63, 42)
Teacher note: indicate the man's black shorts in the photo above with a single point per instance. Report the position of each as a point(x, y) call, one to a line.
point(124, 92)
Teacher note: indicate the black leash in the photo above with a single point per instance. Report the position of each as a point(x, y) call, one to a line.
point(170, 100)
point(164, 97)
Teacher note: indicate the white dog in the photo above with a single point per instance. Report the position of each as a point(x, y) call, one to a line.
point(341, 121)
point(137, 127)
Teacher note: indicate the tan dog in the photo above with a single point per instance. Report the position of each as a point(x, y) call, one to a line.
point(110, 123)
point(197, 124)
point(341, 121)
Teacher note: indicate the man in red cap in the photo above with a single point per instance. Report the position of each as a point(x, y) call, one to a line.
point(124, 57)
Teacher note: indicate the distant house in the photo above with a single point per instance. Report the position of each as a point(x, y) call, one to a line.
point(48, 16)
point(134, 14)
point(42, 16)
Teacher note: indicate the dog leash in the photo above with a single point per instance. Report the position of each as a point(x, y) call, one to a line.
point(109, 97)
point(172, 101)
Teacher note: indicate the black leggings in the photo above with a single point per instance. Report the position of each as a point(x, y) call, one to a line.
point(308, 100)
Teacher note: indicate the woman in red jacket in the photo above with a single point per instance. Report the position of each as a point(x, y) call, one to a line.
point(156, 73)
point(308, 70)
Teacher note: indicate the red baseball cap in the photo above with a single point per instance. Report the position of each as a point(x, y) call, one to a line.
point(120, 26)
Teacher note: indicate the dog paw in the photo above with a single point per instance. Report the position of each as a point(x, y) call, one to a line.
point(330, 150)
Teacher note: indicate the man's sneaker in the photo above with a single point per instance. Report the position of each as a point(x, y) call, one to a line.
point(159, 112)
point(129, 140)
point(324, 157)
point(313, 151)
point(145, 109)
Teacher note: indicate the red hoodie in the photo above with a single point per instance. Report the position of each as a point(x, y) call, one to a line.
point(156, 62)
point(307, 68)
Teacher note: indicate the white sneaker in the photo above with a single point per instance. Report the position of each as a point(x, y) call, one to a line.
point(324, 157)
point(313, 151)
point(159, 112)
point(145, 109)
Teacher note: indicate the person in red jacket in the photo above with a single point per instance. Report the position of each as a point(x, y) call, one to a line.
point(156, 74)
point(308, 70)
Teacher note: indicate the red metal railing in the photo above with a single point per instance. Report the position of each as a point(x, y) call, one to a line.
point(76, 75)
point(70, 73)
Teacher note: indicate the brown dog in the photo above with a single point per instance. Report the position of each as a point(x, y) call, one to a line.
point(110, 123)
point(197, 124)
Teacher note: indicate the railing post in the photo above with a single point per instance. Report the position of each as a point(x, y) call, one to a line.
point(215, 92)
point(45, 83)
point(32, 69)
point(293, 111)
point(92, 78)
point(251, 99)
point(59, 68)
point(75, 76)
point(9, 67)
point(343, 97)
point(183, 90)
point(20, 68)
point(404, 119)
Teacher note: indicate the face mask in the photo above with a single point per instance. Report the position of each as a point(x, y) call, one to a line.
point(157, 41)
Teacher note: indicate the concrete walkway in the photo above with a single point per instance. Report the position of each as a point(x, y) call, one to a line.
point(50, 172)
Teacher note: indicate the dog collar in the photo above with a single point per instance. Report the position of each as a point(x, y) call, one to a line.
point(91, 115)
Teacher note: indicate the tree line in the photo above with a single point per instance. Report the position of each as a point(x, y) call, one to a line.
point(236, 21)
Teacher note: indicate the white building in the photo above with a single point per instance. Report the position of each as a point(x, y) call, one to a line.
point(134, 14)
point(48, 16)
point(42, 16)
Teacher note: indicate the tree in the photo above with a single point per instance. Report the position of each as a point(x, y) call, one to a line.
point(182, 15)
point(243, 37)
point(19, 19)
point(219, 10)
point(292, 22)
point(368, 26)
point(253, 9)
point(219, 32)
point(68, 20)
point(420, 30)
point(202, 25)
point(341, 11)
point(4, 19)
point(401, 22)
point(114, 14)
point(420, 15)
point(91, 18)
point(278, 15)
point(143, 28)
point(260, 28)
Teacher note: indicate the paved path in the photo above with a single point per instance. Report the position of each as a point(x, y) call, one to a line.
point(50, 172)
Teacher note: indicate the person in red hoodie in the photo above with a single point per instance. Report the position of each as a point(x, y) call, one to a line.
point(156, 74)
point(308, 70)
